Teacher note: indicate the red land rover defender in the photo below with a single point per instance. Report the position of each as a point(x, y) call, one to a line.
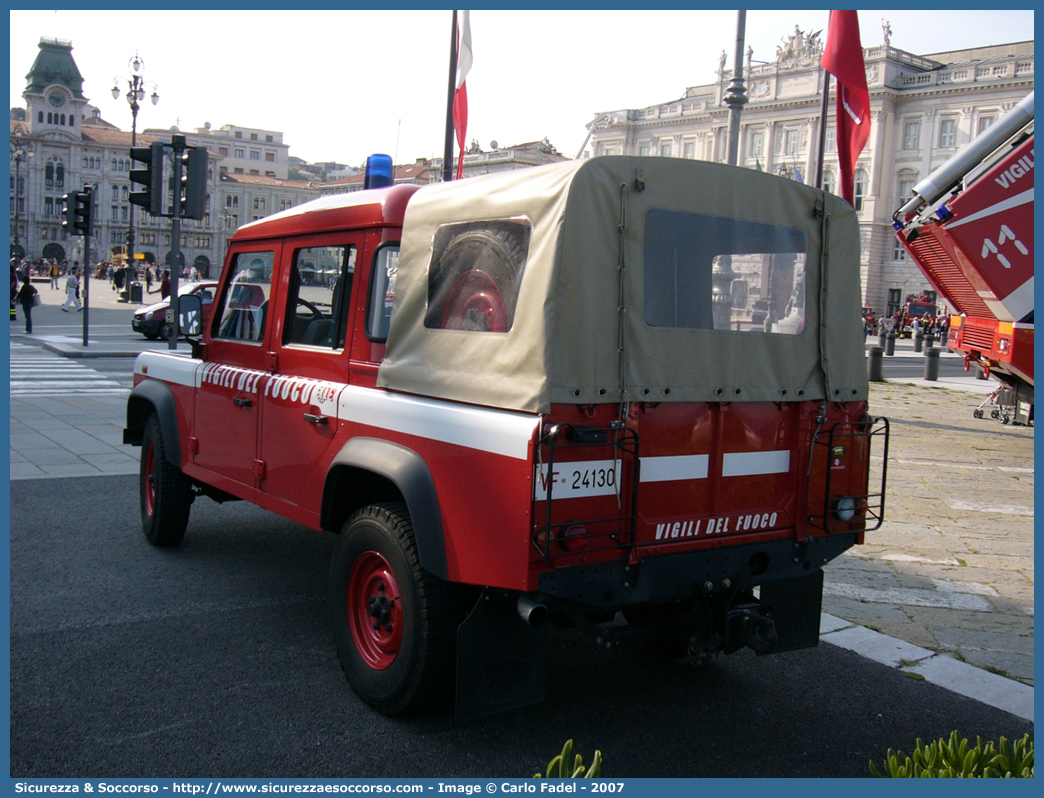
point(531, 397)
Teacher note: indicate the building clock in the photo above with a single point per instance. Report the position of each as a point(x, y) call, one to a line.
point(56, 99)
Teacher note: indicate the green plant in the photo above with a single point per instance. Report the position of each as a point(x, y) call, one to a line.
point(956, 759)
point(559, 766)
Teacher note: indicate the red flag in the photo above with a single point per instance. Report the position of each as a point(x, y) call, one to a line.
point(460, 96)
point(843, 58)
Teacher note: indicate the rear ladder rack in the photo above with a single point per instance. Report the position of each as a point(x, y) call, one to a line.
point(616, 532)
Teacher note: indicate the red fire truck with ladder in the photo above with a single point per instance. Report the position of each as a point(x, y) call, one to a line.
point(534, 398)
point(969, 227)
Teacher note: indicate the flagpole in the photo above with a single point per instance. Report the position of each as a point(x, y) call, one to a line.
point(823, 120)
point(447, 158)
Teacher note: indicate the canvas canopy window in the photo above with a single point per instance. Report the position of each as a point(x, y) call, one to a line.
point(642, 279)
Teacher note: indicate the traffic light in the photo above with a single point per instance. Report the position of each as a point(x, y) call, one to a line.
point(194, 182)
point(82, 223)
point(69, 213)
point(151, 178)
point(76, 213)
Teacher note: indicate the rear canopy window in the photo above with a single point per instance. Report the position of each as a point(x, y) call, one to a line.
point(714, 273)
point(474, 275)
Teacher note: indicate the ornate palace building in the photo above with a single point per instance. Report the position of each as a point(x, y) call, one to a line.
point(924, 107)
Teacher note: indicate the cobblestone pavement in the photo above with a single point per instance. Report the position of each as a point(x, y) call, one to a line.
point(951, 568)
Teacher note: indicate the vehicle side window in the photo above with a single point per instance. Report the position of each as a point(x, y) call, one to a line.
point(319, 296)
point(474, 275)
point(382, 292)
point(245, 301)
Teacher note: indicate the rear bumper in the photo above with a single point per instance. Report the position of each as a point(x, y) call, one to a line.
point(683, 575)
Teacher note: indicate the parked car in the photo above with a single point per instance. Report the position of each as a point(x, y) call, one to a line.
point(152, 321)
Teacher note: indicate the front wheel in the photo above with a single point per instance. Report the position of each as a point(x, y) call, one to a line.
point(165, 492)
point(394, 624)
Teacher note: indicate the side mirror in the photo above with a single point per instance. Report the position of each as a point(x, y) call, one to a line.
point(190, 315)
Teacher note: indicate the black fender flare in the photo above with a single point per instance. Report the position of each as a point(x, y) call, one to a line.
point(154, 396)
point(408, 472)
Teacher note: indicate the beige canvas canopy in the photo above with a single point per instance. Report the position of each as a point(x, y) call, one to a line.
point(598, 317)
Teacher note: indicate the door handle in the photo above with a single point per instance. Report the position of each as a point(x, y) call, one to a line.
point(311, 418)
point(240, 402)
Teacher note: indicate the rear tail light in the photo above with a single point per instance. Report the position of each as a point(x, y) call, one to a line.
point(845, 508)
point(573, 537)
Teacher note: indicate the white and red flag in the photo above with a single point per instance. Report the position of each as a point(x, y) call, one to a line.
point(843, 58)
point(460, 95)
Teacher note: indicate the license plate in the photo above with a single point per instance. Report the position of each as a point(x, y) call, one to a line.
point(578, 480)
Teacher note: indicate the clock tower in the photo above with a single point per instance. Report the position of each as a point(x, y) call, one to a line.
point(54, 92)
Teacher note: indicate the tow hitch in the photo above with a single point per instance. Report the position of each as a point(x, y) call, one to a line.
point(748, 626)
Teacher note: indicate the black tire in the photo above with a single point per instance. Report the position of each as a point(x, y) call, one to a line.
point(395, 625)
point(165, 492)
point(496, 250)
point(165, 331)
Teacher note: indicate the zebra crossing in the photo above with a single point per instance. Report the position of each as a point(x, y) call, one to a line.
point(37, 372)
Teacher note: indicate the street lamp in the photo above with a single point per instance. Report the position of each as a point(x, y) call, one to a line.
point(19, 154)
point(136, 84)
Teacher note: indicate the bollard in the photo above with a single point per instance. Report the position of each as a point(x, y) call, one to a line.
point(931, 364)
point(890, 345)
point(875, 364)
point(882, 338)
point(918, 341)
point(929, 340)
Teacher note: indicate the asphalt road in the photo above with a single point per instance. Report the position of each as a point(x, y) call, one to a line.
point(216, 659)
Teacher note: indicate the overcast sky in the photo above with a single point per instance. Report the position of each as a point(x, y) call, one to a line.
point(343, 84)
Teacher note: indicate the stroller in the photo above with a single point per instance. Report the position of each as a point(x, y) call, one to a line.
point(1003, 403)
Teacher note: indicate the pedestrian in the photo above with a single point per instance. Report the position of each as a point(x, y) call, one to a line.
point(72, 291)
point(27, 296)
point(148, 280)
point(165, 284)
point(54, 275)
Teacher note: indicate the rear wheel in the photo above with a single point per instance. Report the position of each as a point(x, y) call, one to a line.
point(165, 492)
point(394, 624)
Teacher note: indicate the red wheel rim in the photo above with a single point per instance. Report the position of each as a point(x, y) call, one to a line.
point(150, 480)
point(374, 610)
point(474, 303)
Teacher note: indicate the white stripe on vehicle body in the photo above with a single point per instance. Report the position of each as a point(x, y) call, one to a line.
point(751, 464)
point(178, 369)
point(997, 207)
point(667, 469)
point(481, 428)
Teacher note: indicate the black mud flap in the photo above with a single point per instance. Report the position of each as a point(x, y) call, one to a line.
point(501, 659)
point(796, 605)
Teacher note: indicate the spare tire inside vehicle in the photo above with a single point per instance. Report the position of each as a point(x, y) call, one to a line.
point(474, 276)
